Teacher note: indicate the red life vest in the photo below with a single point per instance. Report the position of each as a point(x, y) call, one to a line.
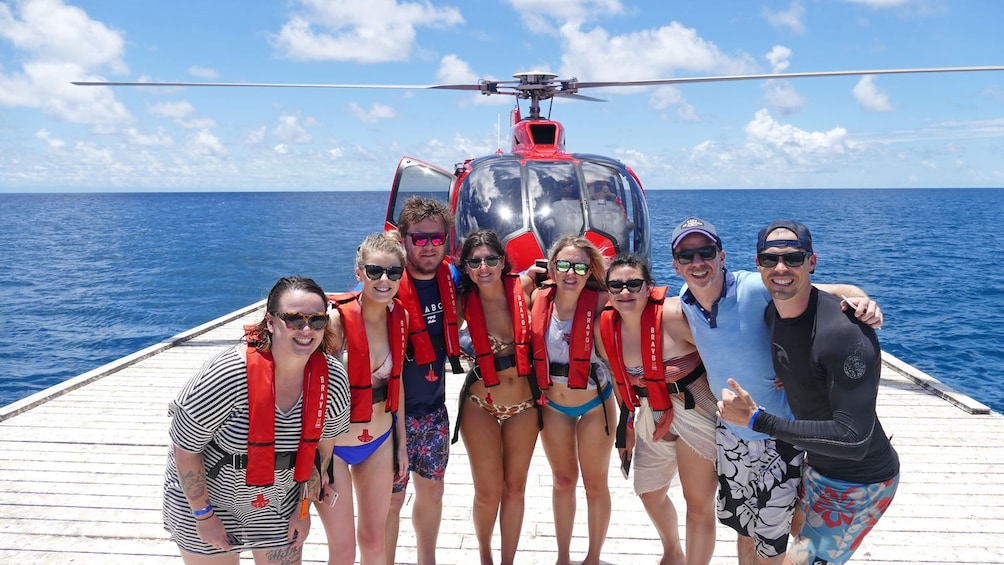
point(474, 312)
point(418, 333)
point(651, 352)
point(360, 375)
point(261, 415)
point(580, 349)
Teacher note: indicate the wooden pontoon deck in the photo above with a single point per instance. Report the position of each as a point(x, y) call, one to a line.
point(82, 467)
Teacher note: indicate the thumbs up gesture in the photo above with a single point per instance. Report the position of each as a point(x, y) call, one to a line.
point(736, 406)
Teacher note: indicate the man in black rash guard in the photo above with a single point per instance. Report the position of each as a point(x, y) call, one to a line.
point(829, 364)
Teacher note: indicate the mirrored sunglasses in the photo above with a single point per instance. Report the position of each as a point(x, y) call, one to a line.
point(563, 266)
point(423, 239)
point(297, 320)
point(376, 272)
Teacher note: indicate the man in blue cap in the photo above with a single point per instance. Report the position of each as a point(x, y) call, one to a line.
point(829, 364)
point(758, 475)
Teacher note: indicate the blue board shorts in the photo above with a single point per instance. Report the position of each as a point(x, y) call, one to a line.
point(838, 516)
point(428, 439)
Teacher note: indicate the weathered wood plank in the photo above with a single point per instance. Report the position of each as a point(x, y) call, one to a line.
point(82, 474)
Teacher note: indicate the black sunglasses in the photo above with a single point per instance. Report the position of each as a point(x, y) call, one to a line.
point(633, 285)
point(297, 320)
point(706, 253)
point(563, 266)
point(422, 239)
point(475, 262)
point(375, 272)
point(792, 259)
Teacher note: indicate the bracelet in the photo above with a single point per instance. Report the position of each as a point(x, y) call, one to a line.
point(753, 418)
point(202, 511)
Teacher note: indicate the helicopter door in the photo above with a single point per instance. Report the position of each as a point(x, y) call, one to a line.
point(416, 178)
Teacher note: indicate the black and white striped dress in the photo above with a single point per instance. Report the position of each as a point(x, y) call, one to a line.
point(213, 407)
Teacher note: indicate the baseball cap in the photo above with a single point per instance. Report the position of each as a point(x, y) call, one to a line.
point(803, 237)
point(695, 225)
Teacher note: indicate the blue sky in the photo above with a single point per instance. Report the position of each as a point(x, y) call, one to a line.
point(881, 131)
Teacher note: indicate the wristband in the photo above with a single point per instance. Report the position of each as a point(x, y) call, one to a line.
point(753, 418)
point(202, 511)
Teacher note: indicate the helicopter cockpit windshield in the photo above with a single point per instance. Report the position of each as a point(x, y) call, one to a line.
point(533, 203)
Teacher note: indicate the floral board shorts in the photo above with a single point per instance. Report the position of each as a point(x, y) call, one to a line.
point(758, 483)
point(838, 516)
point(428, 446)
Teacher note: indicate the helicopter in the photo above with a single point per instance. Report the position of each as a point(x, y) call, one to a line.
point(538, 192)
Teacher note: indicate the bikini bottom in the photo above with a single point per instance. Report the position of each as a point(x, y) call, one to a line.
point(502, 412)
point(580, 410)
point(356, 454)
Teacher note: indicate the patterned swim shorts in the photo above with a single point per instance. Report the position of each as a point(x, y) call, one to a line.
point(428, 446)
point(757, 488)
point(838, 516)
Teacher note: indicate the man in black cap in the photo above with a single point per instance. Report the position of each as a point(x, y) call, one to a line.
point(758, 475)
point(829, 363)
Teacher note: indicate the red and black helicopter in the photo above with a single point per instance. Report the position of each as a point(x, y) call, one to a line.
point(538, 191)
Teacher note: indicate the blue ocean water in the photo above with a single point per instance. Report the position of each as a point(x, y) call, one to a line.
point(89, 278)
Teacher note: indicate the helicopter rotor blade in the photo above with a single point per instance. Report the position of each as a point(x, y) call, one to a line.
point(574, 96)
point(686, 80)
point(284, 85)
point(494, 87)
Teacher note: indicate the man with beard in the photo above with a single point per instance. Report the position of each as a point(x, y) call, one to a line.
point(428, 291)
point(829, 364)
point(758, 475)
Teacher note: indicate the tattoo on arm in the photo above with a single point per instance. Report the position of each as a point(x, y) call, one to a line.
point(193, 484)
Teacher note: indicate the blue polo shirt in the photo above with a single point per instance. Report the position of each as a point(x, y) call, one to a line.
point(734, 342)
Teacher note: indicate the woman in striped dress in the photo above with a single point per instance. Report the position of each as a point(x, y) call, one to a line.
point(249, 432)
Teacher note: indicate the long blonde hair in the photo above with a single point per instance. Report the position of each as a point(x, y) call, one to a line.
point(598, 269)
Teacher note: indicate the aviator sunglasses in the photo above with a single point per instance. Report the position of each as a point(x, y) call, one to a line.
point(475, 262)
point(297, 320)
point(422, 239)
point(793, 259)
point(563, 266)
point(633, 285)
point(376, 272)
point(686, 256)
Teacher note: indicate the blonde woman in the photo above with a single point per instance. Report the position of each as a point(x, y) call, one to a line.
point(579, 408)
point(370, 327)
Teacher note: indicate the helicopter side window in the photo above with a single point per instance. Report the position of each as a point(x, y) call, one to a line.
point(608, 213)
point(490, 198)
point(556, 200)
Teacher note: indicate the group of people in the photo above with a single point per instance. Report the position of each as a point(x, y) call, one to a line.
point(757, 389)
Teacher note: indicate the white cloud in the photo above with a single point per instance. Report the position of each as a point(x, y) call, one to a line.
point(53, 142)
point(60, 43)
point(172, 110)
point(870, 97)
point(793, 141)
point(203, 72)
point(545, 16)
point(645, 54)
point(880, 3)
point(793, 18)
point(778, 58)
point(665, 97)
point(376, 113)
point(205, 144)
point(291, 129)
point(454, 70)
point(255, 136)
point(281, 149)
point(342, 30)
